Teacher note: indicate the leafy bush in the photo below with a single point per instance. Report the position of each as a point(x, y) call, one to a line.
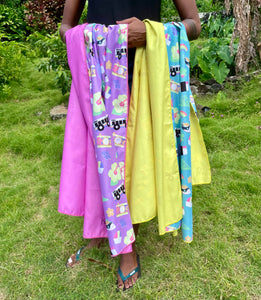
point(83, 17)
point(10, 65)
point(43, 15)
point(53, 49)
point(209, 5)
point(12, 3)
point(212, 58)
point(168, 11)
point(217, 24)
point(12, 24)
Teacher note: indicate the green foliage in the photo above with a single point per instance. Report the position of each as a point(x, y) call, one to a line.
point(84, 14)
point(43, 15)
point(10, 65)
point(209, 5)
point(212, 58)
point(12, 24)
point(53, 50)
point(12, 3)
point(217, 25)
point(168, 11)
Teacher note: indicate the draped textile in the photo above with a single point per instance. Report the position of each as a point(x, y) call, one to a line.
point(157, 178)
point(90, 183)
point(106, 54)
point(152, 168)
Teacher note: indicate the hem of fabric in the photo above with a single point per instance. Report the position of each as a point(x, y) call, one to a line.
point(70, 214)
point(160, 233)
point(122, 251)
point(95, 237)
point(143, 221)
point(201, 183)
point(147, 220)
point(186, 242)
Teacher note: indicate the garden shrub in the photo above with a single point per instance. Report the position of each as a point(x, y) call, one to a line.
point(10, 65)
point(83, 17)
point(12, 24)
point(209, 5)
point(53, 49)
point(12, 3)
point(212, 58)
point(168, 11)
point(44, 15)
point(217, 24)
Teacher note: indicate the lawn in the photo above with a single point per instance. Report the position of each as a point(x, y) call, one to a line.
point(224, 260)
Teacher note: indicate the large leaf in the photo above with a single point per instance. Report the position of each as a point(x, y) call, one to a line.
point(224, 54)
point(203, 64)
point(194, 53)
point(219, 72)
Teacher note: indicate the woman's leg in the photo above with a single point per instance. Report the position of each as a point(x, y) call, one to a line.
point(74, 258)
point(128, 263)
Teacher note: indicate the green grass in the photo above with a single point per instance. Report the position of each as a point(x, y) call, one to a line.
point(224, 260)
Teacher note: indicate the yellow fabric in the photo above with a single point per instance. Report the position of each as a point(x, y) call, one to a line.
point(152, 173)
point(201, 173)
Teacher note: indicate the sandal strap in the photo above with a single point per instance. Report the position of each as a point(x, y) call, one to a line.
point(78, 253)
point(124, 278)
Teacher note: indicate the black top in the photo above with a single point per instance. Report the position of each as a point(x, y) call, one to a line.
point(109, 11)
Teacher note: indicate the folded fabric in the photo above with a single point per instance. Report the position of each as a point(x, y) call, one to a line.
point(80, 192)
point(162, 126)
point(92, 175)
point(92, 183)
point(106, 56)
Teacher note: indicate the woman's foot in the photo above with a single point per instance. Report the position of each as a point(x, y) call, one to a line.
point(75, 258)
point(128, 264)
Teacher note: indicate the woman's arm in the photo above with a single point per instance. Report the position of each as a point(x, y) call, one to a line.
point(188, 13)
point(187, 10)
point(71, 15)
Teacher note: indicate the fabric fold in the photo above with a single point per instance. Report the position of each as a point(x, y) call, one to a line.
point(154, 179)
point(161, 129)
point(106, 58)
point(96, 124)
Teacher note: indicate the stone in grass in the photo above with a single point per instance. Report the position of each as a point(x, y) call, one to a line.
point(58, 112)
point(215, 87)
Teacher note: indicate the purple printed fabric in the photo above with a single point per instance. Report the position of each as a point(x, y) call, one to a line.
point(106, 55)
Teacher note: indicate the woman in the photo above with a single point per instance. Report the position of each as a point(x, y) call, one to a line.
point(122, 12)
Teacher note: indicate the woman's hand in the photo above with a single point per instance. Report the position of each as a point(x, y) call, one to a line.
point(62, 31)
point(136, 32)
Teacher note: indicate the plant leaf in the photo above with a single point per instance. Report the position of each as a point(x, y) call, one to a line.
point(203, 64)
point(219, 72)
point(224, 54)
point(195, 52)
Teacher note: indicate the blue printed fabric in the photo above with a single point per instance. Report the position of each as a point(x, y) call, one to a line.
point(179, 57)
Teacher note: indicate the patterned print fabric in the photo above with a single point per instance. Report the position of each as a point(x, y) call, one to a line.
point(88, 124)
point(106, 53)
point(181, 97)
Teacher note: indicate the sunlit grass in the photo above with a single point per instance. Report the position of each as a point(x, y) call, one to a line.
point(224, 260)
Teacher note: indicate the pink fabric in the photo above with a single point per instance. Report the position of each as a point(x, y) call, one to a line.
point(80, 193)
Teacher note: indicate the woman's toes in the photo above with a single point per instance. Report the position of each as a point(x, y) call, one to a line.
point(120, 284)
point(127, 283)
point(130, 282)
